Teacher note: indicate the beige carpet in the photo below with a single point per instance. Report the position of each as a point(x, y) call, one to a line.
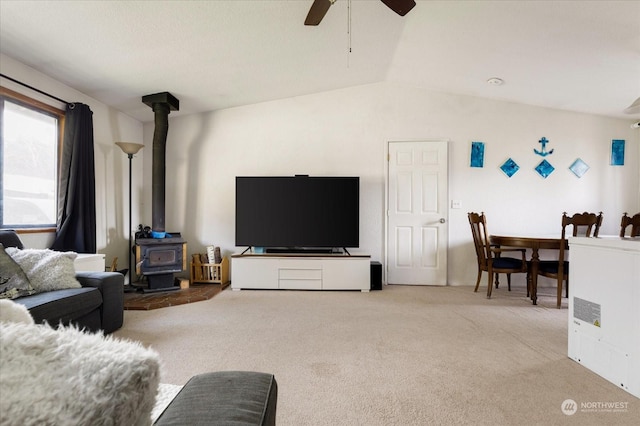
point(401, 356)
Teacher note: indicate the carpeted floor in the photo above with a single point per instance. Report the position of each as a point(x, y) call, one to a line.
point(402, 356)
point(147, 301)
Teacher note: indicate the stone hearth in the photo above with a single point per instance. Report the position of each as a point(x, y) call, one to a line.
point(148, 301)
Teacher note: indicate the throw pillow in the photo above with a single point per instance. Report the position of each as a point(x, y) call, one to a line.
point(13, 281)
point(47, 270)
point(64, 376)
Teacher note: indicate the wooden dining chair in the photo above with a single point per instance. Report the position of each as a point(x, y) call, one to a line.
point(585, 225)
point(490, 257)
point(633, 221)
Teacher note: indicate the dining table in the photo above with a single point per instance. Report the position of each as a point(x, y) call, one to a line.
point(535, 243)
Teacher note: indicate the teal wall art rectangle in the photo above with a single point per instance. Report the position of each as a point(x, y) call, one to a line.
point(617, 152)
point(477, 154)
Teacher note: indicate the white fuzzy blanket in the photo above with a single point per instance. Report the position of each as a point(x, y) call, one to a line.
point(68, 377)
point(14, 312)
point(166, 394)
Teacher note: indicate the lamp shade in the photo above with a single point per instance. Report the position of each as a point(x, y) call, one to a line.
point(634, 107)
point(130, 147)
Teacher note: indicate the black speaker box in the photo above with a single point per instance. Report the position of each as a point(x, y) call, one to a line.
point(376, 276)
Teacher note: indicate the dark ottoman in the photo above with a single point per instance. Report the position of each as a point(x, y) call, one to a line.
point(224, 398)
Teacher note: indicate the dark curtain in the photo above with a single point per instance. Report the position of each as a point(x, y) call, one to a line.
point(76, 228)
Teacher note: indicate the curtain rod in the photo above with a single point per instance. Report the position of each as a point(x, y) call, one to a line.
point(37, 90)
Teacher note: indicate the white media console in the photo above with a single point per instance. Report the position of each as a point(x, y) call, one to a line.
point(300, 271)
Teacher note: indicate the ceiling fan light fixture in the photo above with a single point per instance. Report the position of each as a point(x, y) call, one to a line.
point(634, 108)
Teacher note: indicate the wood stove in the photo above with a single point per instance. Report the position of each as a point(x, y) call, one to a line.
point(158, 259)
point(162, 255)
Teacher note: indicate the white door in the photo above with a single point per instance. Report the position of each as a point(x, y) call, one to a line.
point(417, 205)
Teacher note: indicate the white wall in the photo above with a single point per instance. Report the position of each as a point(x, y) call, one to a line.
point(111, 164)
point(345, 132)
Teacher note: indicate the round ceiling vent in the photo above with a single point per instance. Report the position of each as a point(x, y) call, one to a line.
point(495, 81)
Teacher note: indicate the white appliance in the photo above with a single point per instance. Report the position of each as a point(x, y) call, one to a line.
point(604, 308)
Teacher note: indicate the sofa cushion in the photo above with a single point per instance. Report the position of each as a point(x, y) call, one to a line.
point(13, 281)
point(46, 269)
point(62, 306)
point(67, 377)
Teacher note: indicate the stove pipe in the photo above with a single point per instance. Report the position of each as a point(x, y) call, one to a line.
point(161, 104)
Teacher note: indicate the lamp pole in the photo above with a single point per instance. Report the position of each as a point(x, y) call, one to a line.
point(130, 148)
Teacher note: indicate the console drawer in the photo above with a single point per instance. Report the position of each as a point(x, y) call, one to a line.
point(299, 274)
point(300, 279)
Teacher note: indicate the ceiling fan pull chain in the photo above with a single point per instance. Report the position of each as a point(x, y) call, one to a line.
point(348, 32)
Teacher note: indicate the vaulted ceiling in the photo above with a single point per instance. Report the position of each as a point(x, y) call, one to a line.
point(580, 56)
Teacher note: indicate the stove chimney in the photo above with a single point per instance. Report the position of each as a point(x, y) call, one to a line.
point(161, 104)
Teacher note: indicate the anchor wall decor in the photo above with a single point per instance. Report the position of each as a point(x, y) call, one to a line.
point(544, 152)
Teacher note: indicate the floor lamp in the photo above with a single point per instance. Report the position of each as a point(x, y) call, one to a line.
point(130, 148)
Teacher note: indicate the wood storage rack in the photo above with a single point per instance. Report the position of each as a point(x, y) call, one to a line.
point(211, 273)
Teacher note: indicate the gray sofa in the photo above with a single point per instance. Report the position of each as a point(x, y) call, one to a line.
point(98, 305)
point(244, 398)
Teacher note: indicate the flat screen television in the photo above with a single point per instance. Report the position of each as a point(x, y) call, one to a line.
point(297, 212)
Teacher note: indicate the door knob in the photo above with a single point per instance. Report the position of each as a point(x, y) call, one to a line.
point(442, 220)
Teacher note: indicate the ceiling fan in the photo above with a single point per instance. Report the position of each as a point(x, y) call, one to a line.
point(319, 8)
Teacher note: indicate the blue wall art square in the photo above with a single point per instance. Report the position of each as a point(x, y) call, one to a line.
point(579, 167)
point(477, 154)
point(617, 152)
point(544, 169)
point(509, 167)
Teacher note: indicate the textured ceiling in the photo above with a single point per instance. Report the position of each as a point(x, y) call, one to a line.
point(580, 56)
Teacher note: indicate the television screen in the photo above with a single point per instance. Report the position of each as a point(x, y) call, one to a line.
point(297, 211)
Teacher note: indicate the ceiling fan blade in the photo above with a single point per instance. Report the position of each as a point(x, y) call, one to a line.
point(401, 7)
point(318, 9)
point(634, 107)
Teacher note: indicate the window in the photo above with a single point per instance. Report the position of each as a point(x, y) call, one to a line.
point(30, 136)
